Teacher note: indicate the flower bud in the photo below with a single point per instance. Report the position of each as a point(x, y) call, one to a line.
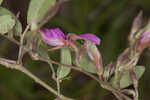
point(95, 56)
point(144, 41)
point(137, 23)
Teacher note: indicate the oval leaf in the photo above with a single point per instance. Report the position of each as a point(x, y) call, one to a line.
point(63, 71)
point(38, 9)
point(6, 23)
point(126, 80)
point(17, 27)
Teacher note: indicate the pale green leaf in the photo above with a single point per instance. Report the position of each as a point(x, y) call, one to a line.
point(87, 64)
point(126, 80)
point(6, 23)
point(38, 9)
point(63, 71)
point(17, 27)
point(1, 2)
point(43, 53)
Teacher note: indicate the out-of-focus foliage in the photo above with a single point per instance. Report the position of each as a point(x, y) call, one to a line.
point(17, 26)
point(108, 19)
point(6, 23)
point(37, 10)
point(1, 1)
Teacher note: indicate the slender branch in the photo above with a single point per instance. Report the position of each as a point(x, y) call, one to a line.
point(11, 39)
point(21, 50)
point(58, 85)
point(70, 66)
point(12, 64)
point(117, 96)
point(105, 85)
point(54, 76)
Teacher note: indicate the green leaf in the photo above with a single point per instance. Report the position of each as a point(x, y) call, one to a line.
point(63, 71)
point(87, 64)
point(1, 2)
point(6, 23)
point(17, 27)
point(126, 80)
point(38, 9)
point(43, 53)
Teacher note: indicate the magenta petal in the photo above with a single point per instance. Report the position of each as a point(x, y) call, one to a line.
point(57, 33)
point(90, 37)
point(53, 37)
point(145, 36)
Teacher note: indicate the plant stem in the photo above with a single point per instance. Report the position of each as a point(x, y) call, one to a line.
point(12, 64)
point(105, 85)
point(21, 50)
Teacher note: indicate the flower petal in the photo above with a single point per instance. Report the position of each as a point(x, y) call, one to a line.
point(144, 41)
point(145, 36)
point(53, 37)
point(90, 37)
point(57, 33)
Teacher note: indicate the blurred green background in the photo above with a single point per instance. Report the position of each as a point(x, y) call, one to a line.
point(108, 19)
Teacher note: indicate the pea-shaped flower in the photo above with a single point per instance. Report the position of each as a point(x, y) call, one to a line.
point(53, 37)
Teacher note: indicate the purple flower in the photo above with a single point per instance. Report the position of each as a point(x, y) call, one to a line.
point(90, 37)
point(55, 37)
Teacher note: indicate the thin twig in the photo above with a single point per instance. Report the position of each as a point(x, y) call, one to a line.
point(54, 75)
point(21, 50)
point(12, 64)
point(11, 39)
point(117, 96)
point(107, 86)
point(58, 85)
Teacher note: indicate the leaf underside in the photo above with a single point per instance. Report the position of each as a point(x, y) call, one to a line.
point(6, 23)
point(63, 71)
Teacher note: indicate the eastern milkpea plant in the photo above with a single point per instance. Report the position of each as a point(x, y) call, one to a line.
point(75, 55)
